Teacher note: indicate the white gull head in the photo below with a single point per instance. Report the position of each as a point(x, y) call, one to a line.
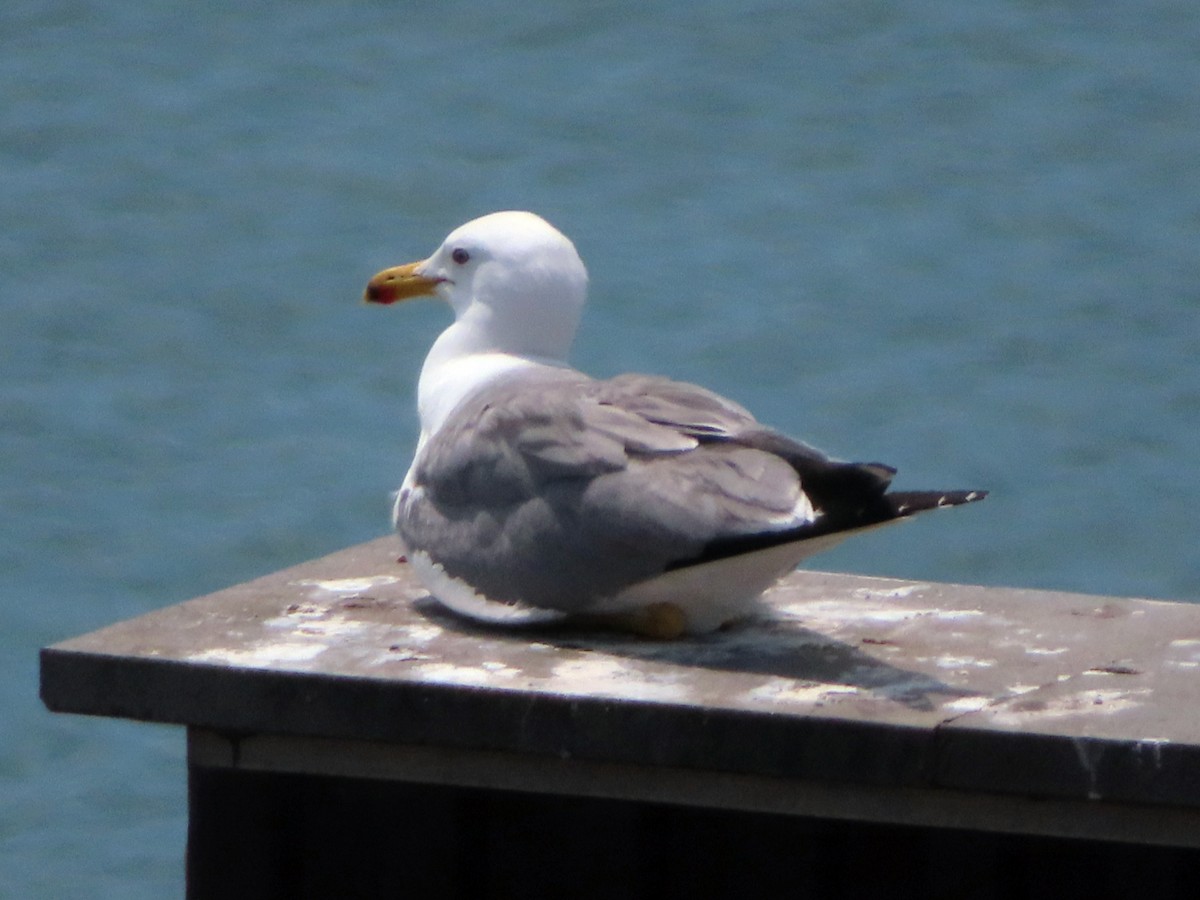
point(517, 287)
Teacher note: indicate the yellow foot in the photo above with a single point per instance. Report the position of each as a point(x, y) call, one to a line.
point(660, 621)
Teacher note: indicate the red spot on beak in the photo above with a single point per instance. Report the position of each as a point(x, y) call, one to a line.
point(381, 293)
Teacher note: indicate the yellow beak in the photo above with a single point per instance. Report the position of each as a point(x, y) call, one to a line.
point(400, 283)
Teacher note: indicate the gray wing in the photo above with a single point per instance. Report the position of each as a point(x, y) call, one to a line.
point(555, 490)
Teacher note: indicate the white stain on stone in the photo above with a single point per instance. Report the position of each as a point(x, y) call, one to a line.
point(607, 676)
point(348, 585)
point(268, 655)
point(964, 662)
point(474, 676)
point(499, 668)
point(804, 693)
point(895, 593)
point(1089, 754)
point(832, 613)
point(966, 704)
point(420, 634)
point(306, 630)
point(315, 622)
point(1150, 750)
point(1019, 689)
point(1046, 651)
point(1099, 702)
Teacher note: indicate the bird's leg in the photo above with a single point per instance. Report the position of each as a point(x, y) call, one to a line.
point(659, 621)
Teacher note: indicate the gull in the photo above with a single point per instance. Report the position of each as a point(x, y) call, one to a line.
point(538, 494)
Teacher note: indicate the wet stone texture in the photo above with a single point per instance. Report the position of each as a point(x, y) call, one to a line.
point(845, 679)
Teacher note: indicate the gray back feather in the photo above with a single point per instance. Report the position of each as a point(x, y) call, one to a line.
point(610, 481)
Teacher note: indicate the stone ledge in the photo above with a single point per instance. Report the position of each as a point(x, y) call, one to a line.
point(852, 685)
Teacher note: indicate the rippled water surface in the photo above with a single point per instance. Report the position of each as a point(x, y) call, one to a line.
point(959, 238)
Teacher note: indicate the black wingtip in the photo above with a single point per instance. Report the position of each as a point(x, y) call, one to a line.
point(875, 511)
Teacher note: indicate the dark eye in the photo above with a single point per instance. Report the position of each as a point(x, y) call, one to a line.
point(460, 256)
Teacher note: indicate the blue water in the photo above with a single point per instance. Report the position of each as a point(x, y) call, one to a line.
point(960, 238)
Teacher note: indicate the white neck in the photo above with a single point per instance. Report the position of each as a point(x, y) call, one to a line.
point(455, 368)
